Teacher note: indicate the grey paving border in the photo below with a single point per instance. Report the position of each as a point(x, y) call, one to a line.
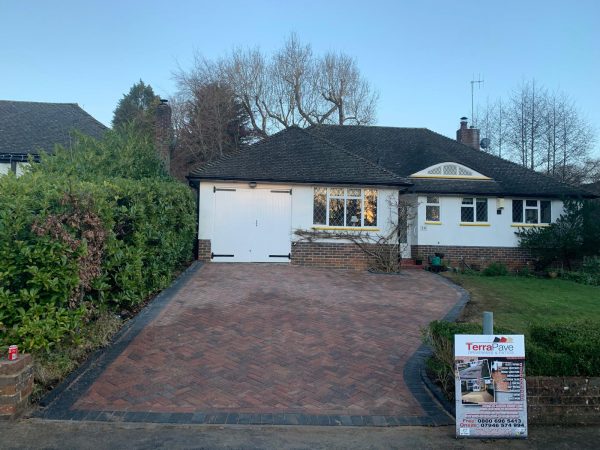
point(58, 403)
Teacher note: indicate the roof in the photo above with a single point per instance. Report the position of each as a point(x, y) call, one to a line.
point(295, 155)
point(592, 187)
point(28, 127)
point(313, 155)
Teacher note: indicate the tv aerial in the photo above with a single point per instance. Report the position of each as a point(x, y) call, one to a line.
point(485, 143)
point(474, 82)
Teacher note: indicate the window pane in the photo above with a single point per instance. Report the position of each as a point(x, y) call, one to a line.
point(466, 214)
point(467, 201)
point(336, 192)
point(482, 210)
point(517, 211)
point(353, 192)
point(353, 212)
point(532, 203)
point(370, 215)
point(545, 212)
point(450, 169)
point(336, 212)
point(531, 215)
point(319, 206)
point(432, 213)
point(432, 199)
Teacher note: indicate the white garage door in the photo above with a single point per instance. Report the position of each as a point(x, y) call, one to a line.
point(252, 225)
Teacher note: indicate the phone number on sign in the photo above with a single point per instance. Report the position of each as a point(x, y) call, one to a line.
point(499, 423)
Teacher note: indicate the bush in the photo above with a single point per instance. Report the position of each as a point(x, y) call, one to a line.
point(495, 269)
point(574, 235)
point(74, 241)
point(564, 349)
point(439, 335)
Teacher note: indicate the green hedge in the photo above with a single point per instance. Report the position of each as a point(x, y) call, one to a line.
point(564, 349)
point(70, 247)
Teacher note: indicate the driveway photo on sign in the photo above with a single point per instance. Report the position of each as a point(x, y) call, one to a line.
point(265, 343)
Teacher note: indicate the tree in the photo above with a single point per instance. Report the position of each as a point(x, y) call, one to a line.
point(125, 153)
point(575, 234)
point(137, 106)
point(209, 123)
point(540, 130)
point(292, 87)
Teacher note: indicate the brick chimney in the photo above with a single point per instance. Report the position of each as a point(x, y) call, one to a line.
point(163, 132)
point(468, 135)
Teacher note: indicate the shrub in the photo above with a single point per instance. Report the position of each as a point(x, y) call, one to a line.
point(564, 349)
point(74, 241)
point(495, 269)
point(439, 335)
point(574, 235)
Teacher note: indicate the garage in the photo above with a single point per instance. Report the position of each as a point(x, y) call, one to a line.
point(252, 225)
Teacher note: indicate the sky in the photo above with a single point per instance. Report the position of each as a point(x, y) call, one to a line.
point(419, 55)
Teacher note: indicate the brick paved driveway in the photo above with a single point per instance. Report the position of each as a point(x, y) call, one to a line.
point(262, 339)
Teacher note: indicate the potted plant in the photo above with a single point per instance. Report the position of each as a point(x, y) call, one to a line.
point(418, 260)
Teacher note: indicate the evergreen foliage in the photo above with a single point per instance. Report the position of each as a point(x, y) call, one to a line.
point(95, 228)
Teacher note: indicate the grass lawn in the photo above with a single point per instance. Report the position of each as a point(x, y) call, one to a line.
point(518, 301)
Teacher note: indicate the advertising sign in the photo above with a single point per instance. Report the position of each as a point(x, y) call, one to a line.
point(490, 386)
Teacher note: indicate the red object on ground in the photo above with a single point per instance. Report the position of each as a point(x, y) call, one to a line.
point(13, 353)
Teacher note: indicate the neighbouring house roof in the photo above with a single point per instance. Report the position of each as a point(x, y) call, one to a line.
point(372, 152)
point(295, 155)
point(592, 187)
point(31, 127)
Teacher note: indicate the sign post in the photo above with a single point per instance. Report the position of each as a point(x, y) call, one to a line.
point(490, 386)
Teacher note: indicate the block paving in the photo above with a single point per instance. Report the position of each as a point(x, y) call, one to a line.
point(254, 343)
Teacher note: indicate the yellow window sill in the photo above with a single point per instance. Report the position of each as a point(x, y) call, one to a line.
point(529, 225)
point(432, 222)
point(469, 224)
point(345, 228)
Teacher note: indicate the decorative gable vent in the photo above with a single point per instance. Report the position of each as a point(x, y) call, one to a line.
point(449, 170)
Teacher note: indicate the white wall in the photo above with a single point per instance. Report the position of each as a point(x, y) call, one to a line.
point(499, 233)
point(302, 206)
point(5, 168)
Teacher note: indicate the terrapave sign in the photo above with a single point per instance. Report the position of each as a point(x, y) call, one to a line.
point(490, 386)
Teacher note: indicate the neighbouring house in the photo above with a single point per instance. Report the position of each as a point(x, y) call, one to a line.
point(466, 204)
point(28, 128)
point(594, 188)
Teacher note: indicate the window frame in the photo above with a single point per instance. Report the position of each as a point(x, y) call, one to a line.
point(473, 207)
point(345, 197)
point(538, 208)
point(429, 203)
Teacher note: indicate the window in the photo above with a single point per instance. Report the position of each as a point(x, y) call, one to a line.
point(531, 211)
point(345, 207)
point(432, 209)
point(474, 210)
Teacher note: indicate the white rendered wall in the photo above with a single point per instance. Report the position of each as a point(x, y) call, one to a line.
point(302, 207)
point(499, 233)
point(4, 168)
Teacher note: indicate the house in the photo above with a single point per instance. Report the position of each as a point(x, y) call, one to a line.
point(592, 187)
point(466, 204)
point(27, 128)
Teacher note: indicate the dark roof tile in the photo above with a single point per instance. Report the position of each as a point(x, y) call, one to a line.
point(28, 127)
point(294, 155)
